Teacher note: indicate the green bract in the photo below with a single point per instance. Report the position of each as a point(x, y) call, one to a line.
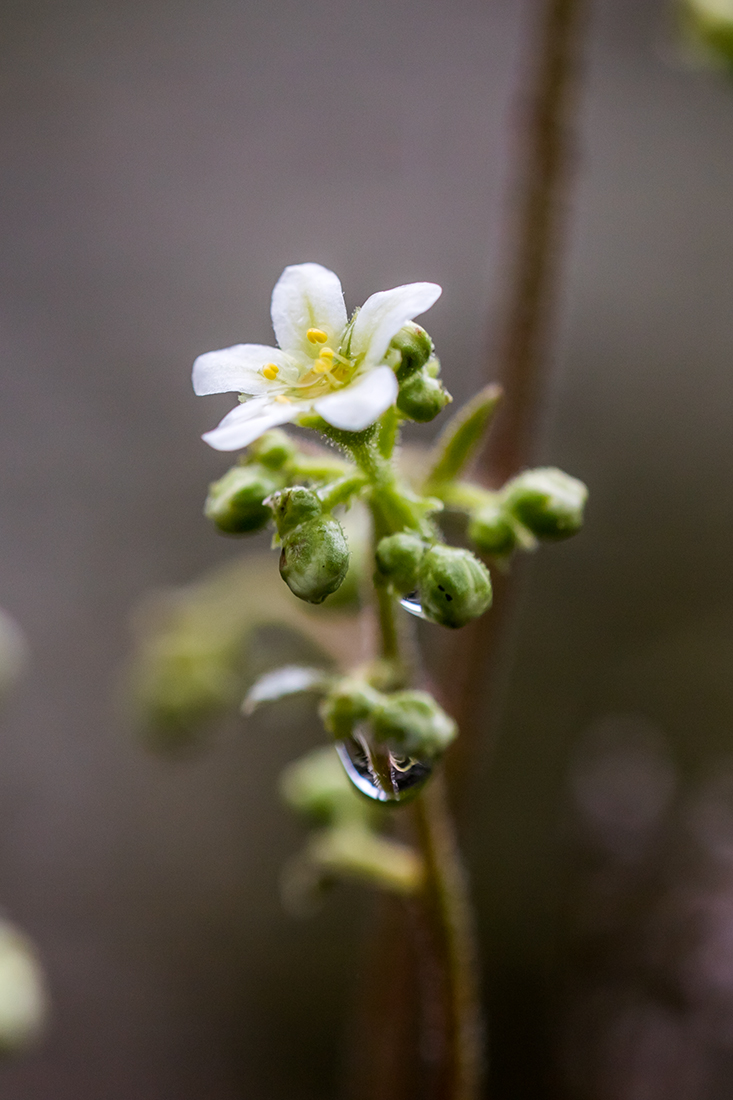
point(235, 501)
point(454, 586)
point(314, 558)
point(398, 557)
point(548, 502)
point(413, 722)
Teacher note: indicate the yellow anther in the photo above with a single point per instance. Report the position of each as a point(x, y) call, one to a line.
point(282, 399)
point(270, 371)
point(317, 335)
point(326, 353)
point(322, 366)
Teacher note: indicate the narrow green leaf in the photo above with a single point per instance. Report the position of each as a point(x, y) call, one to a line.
point(459, 440)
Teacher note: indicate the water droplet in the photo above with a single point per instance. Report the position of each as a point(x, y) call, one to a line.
point(380, 773)
point(412, 604)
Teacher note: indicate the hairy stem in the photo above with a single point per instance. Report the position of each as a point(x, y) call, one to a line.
point(451, 925)
point(447, 916)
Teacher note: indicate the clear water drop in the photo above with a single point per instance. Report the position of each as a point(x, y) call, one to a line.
point(380, 773)
point(412, 604)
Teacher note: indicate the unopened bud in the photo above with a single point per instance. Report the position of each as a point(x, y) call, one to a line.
point(454, 586)
point(235, 501)
point(23, 998)
point(317, 787)
point(708, 27)
point(293, 506)
point(422, 396)
point(548, 502)
point(491, 531)
point(398, 557)
point(413, 722)
point(274, 449)
point(314, 558)
point(415, 348)
point(349, 703)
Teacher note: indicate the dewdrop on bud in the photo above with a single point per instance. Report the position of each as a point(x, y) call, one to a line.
point(491, 531)
point(414, 347)
point(347, 705)
point(454, 586)
point(414, 723)
point(314, 558)
point(398, 557)
point(547, 501)
point(422, 396)
point(236, 501)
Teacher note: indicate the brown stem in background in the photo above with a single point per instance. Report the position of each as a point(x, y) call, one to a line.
point(533, 258)
point(534, 253)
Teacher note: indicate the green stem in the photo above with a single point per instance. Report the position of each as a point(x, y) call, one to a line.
point(445, 896)
point(451, 919)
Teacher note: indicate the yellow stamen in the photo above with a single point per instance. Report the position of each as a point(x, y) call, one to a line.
point(283, 399)
point(317, 335)
point(271, 371)
point(326, 353)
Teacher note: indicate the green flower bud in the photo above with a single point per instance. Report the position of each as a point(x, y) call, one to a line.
point(708, 26)
point(235, 501)
point(547, 501)
point(348, 704)
point(293, 506)
point(398, 557)
point(274, 449)
point(491, 531)
point(23, 997)
point(415, 348)
point(413, 722)
point(318, 788)
point(454, 586)
point(314, 558)
point(422, 396)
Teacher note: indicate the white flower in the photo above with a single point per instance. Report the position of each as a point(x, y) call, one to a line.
point(324, 363)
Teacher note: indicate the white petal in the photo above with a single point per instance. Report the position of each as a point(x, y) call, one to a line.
point(384, 314)
point(307, 296)
point(248, 422)
point(359, 405)
point(289, 680)
point(237, 368)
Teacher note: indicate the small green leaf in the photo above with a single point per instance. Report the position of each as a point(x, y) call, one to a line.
point(461, 437)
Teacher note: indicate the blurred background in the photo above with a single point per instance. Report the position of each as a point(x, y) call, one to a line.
point(162, 162)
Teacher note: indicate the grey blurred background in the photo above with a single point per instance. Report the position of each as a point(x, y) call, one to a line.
point(162, 162)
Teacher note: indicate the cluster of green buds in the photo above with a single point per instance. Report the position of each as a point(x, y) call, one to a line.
point(450, 584)
point(355, 382)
